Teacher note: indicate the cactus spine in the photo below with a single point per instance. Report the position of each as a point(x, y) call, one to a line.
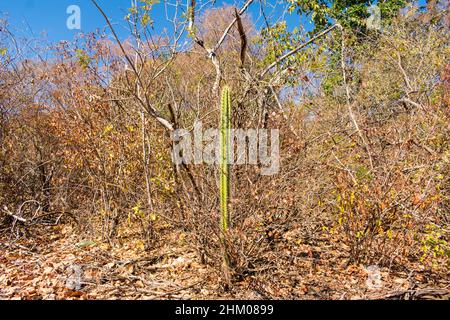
point(225, 153)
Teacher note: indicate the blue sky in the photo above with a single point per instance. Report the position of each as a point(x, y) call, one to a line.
point(47, 18)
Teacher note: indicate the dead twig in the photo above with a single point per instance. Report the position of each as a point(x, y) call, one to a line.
point(413, 293)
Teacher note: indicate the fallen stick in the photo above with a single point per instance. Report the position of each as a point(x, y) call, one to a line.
point(413, 293)
point(162, 294)
point(9, 213)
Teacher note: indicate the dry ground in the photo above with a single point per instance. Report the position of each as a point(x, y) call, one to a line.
point(57, 264)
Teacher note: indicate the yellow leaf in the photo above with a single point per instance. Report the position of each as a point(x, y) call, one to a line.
point(140, 245)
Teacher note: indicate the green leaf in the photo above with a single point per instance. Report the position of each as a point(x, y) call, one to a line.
point(85, 243)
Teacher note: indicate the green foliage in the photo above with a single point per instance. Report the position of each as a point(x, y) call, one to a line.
point(278, 40)
point(137, 211)
point(434, 244)
point(362, 172)
point(330, 82)
point(83, 59)
point(351, 14)
point(143, 9)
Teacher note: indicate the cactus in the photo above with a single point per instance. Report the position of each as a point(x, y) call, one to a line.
point(225, 153)
point(224, 171)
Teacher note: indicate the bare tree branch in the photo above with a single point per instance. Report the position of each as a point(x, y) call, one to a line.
point(297, 49)
point(227, 30)
point(150, 109)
